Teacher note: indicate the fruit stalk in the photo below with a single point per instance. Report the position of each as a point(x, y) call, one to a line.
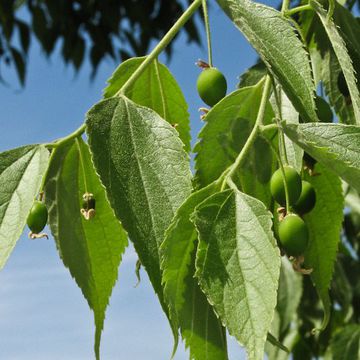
point(252, 137)
point(207, 28)
point(161, 45)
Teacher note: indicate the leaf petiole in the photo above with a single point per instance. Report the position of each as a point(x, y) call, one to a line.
point(252, 137)
point(160, 46)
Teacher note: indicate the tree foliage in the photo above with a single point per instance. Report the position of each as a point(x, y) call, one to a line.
point(209, 239)
point(86, 29)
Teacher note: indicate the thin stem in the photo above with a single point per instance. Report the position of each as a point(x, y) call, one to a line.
point(285, 6)
point(267, 128)
point(297, 9)
point(208, 34)
point(259, 121)
point(283, 174)
point(81, 159)
point(281, 134)
point(160, 46)
point(45, 176)
point(78, 132)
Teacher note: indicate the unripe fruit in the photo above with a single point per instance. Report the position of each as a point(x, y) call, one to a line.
point(323, 110)
point(293, 182)
point(307, 199)
point(342, 85)
point(37, 217)
point(211, 86)
point(293, 235)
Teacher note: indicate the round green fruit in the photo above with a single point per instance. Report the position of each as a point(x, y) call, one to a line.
point(293, 182)
point(293, 235)
point(323, 110)
point(211, 86)
point(342, 85)
point(307, 199)
point(37, 217)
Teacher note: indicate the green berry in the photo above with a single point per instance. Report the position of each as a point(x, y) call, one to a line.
point(307, 199)
point(293, 235)
point(342, 85)
point(211, 86)
point(293, 182)
point(323, 110)
point(37, 217)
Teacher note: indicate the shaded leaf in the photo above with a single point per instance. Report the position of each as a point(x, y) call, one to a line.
point(146, 173)
point(342, 55)
point(275, 40)
point(91, 249)
point(227, 127)
point(331, 71)
point(238, 265)
point(19, 64)
point(252, 75)
point(21, 171)
point(324, 223)
point(200, 328)
point(345, 344)
point(157, 89)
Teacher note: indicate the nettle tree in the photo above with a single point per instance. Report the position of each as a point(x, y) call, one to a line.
point(261, 242)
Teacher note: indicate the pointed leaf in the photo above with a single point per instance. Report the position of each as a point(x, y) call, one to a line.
point(227, 127)
point(200, 328)
point(324, 223)
point(331, 70)
point(274, 39)
point(21, 171)
point(146, 173)
point(252, 75)
point(335, 145)
point(342, 55)
point(288, 299)
point(293, 152)
point(91, 249)
point(345, 344)
point(238, 265)
point(156, 89)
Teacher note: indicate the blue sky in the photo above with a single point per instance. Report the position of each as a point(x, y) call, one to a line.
point(42, 312)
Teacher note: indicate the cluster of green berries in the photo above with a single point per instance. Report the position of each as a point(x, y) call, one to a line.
point(211, 85)
point(293, 232)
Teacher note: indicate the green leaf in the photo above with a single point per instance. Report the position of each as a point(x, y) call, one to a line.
point(342, 54)
point(227, 127)
point(288, 300)
point(238, 265)
point(21, 171)
point(19, 64)
point(294, 153)
point(324, 223)
point(345, 344)
point(330, 73)
point(289, 295)
point(146, 173)
point(91, 249)
point(335, 145)
point(275, 40)
point(200, 328)
point(156, 89)
point(253, 75)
